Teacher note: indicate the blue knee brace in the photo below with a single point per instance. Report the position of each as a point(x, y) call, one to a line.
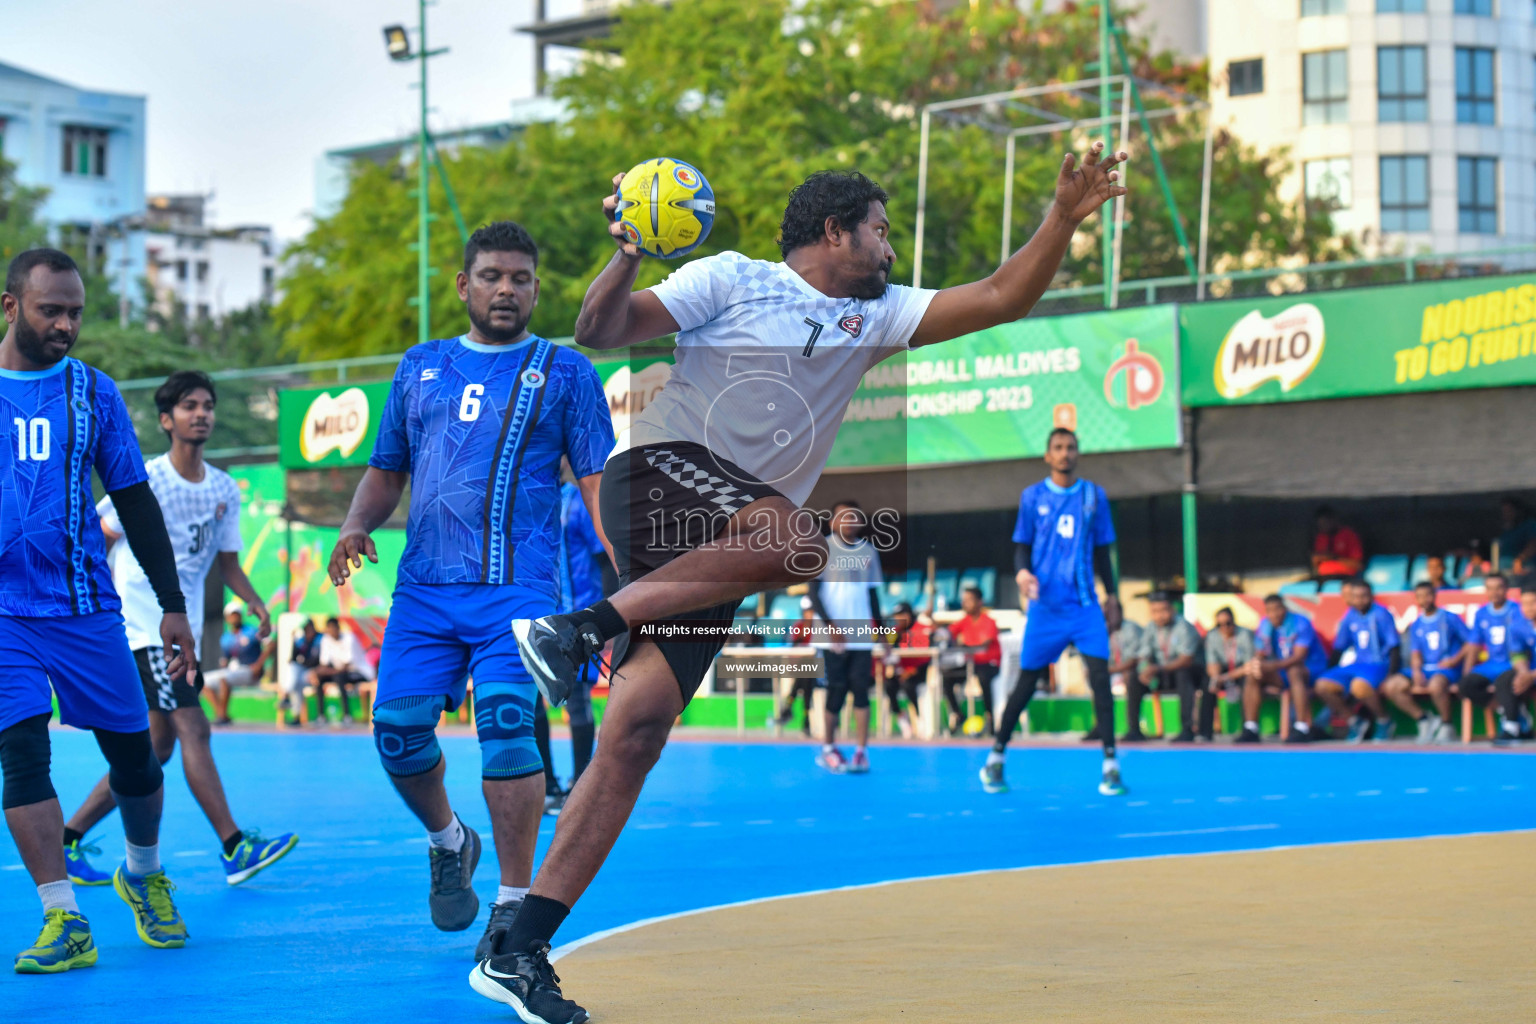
point(405, 733)
point(504, 722)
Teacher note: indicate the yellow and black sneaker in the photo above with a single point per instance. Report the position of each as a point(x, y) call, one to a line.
point(158, 921)
point(64, 944)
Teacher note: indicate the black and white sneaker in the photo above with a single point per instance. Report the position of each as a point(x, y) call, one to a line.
point(1248, 736)
point(526, 982)
point(496, 929)
point(556, 651)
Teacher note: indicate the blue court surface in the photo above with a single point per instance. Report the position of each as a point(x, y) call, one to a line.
point(339, 930)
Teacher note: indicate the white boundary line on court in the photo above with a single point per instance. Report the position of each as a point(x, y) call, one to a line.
point(608, 933)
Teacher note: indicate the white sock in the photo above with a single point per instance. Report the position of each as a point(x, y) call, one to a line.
point(994, 757)
point(1251, 726)
point(450, 838)
point(827, 748)
point(1303, 727)
point(1511, 728)
point(510, 894)
point(143, 860)
point(58, 894)
point(1111, 765)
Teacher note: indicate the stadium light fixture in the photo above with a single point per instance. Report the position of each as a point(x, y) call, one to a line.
point(397, 42)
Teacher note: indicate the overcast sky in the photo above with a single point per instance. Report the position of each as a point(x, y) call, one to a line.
point(244, 97)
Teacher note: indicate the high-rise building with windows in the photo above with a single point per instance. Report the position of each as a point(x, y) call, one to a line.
point(1414, 121)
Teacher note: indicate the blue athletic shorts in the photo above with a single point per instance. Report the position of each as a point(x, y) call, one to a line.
point(441, 634)
point(1452, 675)
point(1373, 673)
point(1490, 670)
point(1050, 629)
point(87, 660)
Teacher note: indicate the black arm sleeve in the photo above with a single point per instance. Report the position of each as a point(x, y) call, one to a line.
point(144, 526)
point(1105, 567)
point(814, 592)
point(1023, 556)
point(874, 606)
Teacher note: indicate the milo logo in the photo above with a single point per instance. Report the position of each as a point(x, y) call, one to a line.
point(1285, 347)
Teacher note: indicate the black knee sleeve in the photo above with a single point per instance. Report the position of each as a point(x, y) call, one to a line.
point(135, 770)
point(24, 758)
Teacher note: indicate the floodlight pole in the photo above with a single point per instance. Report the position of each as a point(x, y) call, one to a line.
point(424, 268)
point(1107, 237)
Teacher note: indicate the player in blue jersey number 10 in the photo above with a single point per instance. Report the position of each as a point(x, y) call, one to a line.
point(478, 424)
point(61, 625)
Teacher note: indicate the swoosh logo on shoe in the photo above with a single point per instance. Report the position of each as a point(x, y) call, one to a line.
point(492, 972)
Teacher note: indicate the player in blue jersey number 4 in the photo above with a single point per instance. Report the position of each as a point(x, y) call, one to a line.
point(1061, 540)
point(61, 624)
point(478, 425)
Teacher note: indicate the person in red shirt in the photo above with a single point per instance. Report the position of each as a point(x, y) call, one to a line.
point(976, 635)
point(1336, 549)
point(903, 672)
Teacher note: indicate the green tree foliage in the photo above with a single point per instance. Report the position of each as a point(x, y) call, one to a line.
point(759, 95)
point(19, 227)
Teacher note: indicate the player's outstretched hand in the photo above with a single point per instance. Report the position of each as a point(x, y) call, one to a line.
point(611, 203)
point(180, 648)
point(350, 550)
point(1082, 188)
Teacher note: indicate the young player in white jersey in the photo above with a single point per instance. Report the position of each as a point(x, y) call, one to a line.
point(846, 597)
point(702, 505)
point(201, 505)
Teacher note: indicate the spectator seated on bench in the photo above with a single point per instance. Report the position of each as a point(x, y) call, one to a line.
point(1437, 648)
point(343, 663)
point(305, 656)
point(1170, 660)
point(243, 660)
point(1290, 656)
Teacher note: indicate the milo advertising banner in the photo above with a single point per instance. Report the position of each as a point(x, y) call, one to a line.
point(333, 425)
point(997, 394)
point(1436, 336)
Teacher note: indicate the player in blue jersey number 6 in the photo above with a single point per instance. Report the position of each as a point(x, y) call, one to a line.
point(61, 624)
point(478, 425)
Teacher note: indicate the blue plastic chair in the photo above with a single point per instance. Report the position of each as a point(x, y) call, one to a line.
point(946, 584)
point(1301, 588)
point(1331, 587)
point(1418, 570)
point(1387, 573)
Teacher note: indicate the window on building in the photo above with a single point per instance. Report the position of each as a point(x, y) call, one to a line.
point(85, 151)
point(1477, 197)
point(1400, 83)
point(202, 311)
point(1474, 85)
point(1399, 6)
point(1327, 183)
point(1483, 7)
point(1311, 7)
point(1405, 193)
point(1325, 87)
point(202, 271)
point(181, 270)
point(1245, 77)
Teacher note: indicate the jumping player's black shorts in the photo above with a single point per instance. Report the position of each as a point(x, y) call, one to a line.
point(162, 692)
point(848, 672)
point(657, 503)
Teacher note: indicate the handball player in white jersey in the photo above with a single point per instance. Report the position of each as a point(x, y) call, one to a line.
point(201, 504)
point(701, 500)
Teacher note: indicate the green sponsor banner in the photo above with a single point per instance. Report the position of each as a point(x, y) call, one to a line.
point(270, 546)
point(1435, 336)
point(998, 393)
point(329, 426)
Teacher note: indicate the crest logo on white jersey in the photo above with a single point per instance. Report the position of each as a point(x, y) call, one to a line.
point(853, 324)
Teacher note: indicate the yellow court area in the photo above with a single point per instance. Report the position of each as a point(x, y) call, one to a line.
point(1416, 931)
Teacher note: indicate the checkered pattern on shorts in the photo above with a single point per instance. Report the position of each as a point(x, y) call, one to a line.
point(719, 492)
